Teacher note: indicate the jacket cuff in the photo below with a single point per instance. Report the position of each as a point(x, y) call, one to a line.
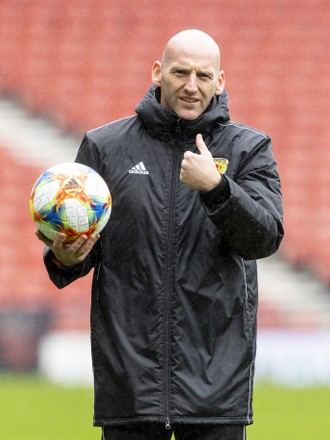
point(217, 196)
point(51, 260)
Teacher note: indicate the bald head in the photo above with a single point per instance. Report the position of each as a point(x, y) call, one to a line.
point(193, 41)
point(189, 73)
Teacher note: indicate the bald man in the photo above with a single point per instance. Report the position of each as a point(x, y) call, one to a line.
point(196, 201)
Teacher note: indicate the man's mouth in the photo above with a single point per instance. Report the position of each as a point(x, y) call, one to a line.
point(189, 100)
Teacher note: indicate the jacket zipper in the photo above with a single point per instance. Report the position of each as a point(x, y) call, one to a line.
point(168, 290)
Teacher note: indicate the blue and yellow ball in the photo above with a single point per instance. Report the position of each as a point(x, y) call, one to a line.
point(70, 198)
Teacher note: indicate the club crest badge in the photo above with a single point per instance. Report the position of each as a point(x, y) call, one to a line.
point(221, 164)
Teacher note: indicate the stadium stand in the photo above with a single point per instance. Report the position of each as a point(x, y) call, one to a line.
point(82, 64)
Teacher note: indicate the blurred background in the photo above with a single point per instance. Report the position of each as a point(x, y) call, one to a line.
point(67, 66)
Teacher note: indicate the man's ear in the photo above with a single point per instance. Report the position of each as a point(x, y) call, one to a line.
point(156, 73)
point(221, 83)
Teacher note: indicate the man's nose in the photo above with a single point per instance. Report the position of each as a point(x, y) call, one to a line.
point(191, 85)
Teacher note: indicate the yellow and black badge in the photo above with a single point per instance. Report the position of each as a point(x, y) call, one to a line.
point(221, 164)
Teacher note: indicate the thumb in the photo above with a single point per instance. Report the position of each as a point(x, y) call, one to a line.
point(201, 145)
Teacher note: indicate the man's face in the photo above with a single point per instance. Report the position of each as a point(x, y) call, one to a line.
point(188, 81)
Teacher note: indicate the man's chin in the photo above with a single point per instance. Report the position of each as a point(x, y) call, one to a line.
point(188, 115)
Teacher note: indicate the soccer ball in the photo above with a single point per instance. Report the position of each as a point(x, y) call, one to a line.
point(70, 198)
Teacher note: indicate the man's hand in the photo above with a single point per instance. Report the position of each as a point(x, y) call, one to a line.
point(198, 171)
point(69, 254)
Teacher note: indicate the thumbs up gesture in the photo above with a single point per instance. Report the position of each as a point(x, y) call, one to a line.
point(198, 171)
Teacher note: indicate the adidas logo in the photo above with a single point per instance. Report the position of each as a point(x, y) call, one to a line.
point(139, 169)
point(72, 185)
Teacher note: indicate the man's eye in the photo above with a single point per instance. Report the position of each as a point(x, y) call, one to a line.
point(181, 72)
point(205, 76)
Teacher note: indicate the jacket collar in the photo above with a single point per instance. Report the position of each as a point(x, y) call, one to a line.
point(166, 125)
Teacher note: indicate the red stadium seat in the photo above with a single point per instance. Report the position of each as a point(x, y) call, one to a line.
point(85, 63)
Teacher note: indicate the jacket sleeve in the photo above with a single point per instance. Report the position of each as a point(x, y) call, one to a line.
point(63, 277)
point(250, 216)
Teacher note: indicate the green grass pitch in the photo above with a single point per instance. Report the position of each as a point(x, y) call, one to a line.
point(33, 409)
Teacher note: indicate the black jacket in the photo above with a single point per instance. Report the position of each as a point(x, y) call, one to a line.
point(174, 297)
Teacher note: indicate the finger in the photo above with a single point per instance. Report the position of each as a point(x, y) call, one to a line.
point(77, 244)
point(201, 145)
point(81, 248)
point(43, 238)
point(187, 155)
point(88, 245)
point(83, 244)
point(39, 234)
point(59, 240)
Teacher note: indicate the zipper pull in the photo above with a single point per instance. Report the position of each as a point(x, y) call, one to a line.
point(167, 423)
